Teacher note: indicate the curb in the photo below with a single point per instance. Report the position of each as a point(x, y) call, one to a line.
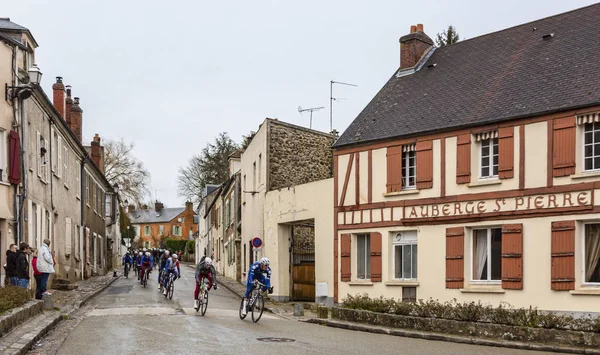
point(29, 344)
point(452, 338)
point(95, 293)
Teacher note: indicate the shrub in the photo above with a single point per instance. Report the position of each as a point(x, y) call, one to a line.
point(468, 311)
point(12, 297)
point(432, 309)
point(190, 246)
point(402, 308)
point(554, 321)
point(175, 244)
point(587, 324)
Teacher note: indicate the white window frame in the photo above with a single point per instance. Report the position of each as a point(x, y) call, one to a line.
point(174, 231)
point(488, 281)
point(95, 197)
point(147, 231)
point(491, 164)
point(583, 268)
point(87, 190)
point(54, 140)
point(68, 235)
point(108, 206)
point(404, 239)
point(161, 229)
point(66, 161)
point(406, 156)
point(77, 180)
point(583, 145)
point(59, 162)
point(367, 256)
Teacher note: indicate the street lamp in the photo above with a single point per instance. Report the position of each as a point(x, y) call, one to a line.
point(24, 91)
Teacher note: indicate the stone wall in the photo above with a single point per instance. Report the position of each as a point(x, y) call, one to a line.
point(20, 315)
point(298, 155)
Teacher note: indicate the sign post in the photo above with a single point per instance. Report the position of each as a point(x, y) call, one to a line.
point(256, 243)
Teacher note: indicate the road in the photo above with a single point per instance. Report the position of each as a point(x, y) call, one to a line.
point(127, 318)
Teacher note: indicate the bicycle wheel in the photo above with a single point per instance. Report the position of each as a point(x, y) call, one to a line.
point(242, 316)
point(171, 289)
point(258, 308)
point(126, 271)
point(204, 304)
point(168, 287)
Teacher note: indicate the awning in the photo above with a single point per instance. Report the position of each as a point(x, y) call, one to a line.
point(485, 135)
point(588, 118)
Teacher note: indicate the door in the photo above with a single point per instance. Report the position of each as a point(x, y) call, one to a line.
point(303, 263)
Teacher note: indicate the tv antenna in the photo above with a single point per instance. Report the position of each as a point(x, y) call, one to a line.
point(331, 99)
point(300, 110)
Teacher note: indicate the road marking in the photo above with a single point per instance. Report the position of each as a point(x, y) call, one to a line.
point(148, 311)
point(216, 312)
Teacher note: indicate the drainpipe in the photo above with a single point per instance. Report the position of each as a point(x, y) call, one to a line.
point(23, 196)
point(82, 233)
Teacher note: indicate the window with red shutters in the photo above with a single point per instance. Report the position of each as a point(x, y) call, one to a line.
point(506, 156)
point(455, 251)
point(346, 252)
point(463, 159)
point(563, 256)
point(563, 147)
point(394, 169)
point(424, 164)
point(512, 256)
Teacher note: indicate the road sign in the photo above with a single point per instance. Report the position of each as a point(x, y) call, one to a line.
point(256, 242)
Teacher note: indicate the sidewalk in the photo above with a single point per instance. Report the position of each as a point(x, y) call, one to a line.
point(22, 338)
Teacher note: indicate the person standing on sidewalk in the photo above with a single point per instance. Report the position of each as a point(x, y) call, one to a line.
point(23, 266)
point(37, 275)
point(11, 265)
point(45, 265)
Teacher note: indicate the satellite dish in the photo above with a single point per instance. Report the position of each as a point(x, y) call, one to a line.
point(300, 109)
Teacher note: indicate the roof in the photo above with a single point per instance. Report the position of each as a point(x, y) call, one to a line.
point(500, 76)
point(7, 25)
point(151, 216)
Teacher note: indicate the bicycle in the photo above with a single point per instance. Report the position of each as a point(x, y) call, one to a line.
point(126, 271)
point(203, 297)
point(161, 280)
point(145, 277)
point(170, 286)
point(256, 303)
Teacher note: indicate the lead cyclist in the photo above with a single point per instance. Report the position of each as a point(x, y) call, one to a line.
point(256, 272)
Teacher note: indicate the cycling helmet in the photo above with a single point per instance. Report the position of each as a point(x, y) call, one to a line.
point(141, 253)
point(208, 262)
point(175, 256)
point(167, 253)
point(144, 250)
point(265, 261)
point(148, 253)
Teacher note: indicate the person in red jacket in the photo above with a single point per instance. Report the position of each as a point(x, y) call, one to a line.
point(37, 276)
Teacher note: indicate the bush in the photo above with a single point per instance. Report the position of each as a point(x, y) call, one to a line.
point(175, 244)
point(468, 311)
point(587, 324)
point(432, 309)
point(190, 246)
point(13, 297)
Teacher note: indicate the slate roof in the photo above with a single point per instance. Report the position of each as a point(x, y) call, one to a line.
point(150, 216)
point(6, 24)
point(496, 77)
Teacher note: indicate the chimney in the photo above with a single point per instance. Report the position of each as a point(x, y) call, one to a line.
point(189, 206)
point(76, 113)
point(58, 97)
point(158, 206)
point(131, 208)
point(413, 46)
point(96, 157)
point(68, 105)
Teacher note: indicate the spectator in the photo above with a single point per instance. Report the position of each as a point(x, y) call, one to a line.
point(45, 265)
point(23, 266)
point(37, 275)
point(11, 265)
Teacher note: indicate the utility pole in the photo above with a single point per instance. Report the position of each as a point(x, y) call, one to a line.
point(300, 110)
point(331, 99)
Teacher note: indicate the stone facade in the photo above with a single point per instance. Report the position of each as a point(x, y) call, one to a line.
point(297, 155)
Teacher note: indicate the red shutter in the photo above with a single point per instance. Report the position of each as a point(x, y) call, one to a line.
point(14, 176)
point(463, 159)
point(345, 258)
point(455, 250)
point(563, 149)
point(512, 256)
point(563, 255)
point(424, 164)
point(506, 153)
point(375, 257)
point(394, 168)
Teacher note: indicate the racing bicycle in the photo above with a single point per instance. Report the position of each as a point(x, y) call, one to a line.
point(256, 303)
point(203, 296)
point(170, 286)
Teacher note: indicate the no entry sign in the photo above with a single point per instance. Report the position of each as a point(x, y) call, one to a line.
point(256, 242)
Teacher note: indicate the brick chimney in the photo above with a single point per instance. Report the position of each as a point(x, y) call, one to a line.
point(58, 97)
point(68, 105)
point(96, 153)
point(189, 206)
point(75, 117)
point(158, 206)
point(413, 46)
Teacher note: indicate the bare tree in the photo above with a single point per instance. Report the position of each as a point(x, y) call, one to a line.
point(447, 37)
point(122, 168)
point(211, 166)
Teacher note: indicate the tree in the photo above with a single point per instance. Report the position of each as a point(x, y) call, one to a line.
point(122, 168)
point(211, 166)
point(447, 37)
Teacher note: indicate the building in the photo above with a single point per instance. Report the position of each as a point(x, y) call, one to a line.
point(473, 173)
point(153, 226)
point(203, 240)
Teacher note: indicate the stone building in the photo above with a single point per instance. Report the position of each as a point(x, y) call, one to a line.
point(474, 173)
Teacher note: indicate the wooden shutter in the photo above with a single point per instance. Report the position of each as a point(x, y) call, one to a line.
point(424, 163)
point(455, 251)
point(463, 159)
point(512, 256)
point(506, 153)
point(394, 168)
point(346, 272)
point(375, 257)
point(563, 148)
point(563, 255)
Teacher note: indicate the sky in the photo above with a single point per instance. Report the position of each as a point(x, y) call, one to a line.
point(169, 76)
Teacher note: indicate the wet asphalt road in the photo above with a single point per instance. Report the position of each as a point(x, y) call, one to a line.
point(128, 319)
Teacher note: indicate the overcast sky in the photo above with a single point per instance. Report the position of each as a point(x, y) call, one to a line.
point(170, 75)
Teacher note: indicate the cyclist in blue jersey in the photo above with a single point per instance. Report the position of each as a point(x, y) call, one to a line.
point(257, 272)
point(171, 267)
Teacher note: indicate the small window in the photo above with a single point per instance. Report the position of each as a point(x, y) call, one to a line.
point(108, 207)
point(227, 215)
point(487, 254)
point(409, 294)
point(259, 168)
point(363, 256)
point(147, 231)
point(489, 158)
point(591, 146)
point(405, 255)
point(161, 229)
point(177, 231)
point(409, 167)
point(591, 245)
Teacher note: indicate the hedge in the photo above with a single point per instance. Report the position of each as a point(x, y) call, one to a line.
point(175, 244)
point(13, 297)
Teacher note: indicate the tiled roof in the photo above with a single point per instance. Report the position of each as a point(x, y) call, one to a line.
point(151, 216)
point(496, 77)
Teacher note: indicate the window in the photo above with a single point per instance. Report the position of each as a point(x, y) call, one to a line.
point(259, 168)
point(591, 247)
point(227, 216)
point(34, 225)
point(3, 154)
point(59, 163)
point(147, 231)
point(363, 256)
point(487, 254)
point(68, 235)
point(591, 146)
point(108, 207)
point(77, 180)
point(177, 231)
point(405, 255)
point(48, 225)
point(409, 294)
point(66, 165)
point(489, 158)
point(87, 190)
point(54, 141)
point(42, 149)
point(94, 200)
point(161, 229)
point(254, 176)
point(408, 167)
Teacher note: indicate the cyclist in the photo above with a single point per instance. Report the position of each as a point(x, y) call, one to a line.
point(127, 260)
point(171, 267)
point(138, 264)
point(162, 261)
point(205, 269)
point(256, 272)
